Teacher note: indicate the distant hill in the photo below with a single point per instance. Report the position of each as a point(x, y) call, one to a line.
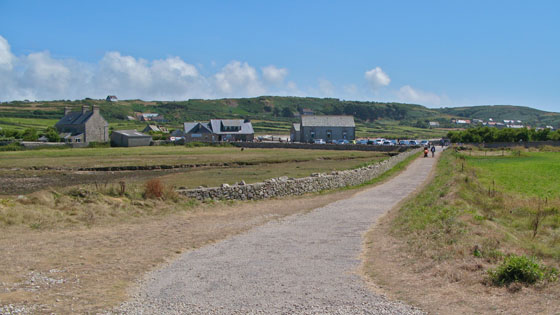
point(279, 111)
point(527, 115)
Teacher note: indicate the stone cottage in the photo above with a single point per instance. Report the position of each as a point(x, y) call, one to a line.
point(326, 127)
point(217, 130)
point(83, 126)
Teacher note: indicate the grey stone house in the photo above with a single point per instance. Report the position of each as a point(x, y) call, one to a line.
point(217, 130)
point(83, 127)
point(129, 138)
point(295, 132)
point(327, 128)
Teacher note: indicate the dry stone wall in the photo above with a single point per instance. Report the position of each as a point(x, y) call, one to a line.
point(284, 186)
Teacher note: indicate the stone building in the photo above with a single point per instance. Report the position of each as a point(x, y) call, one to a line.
point(83, 126)
point(217, 130)
point(328, 128)
point(295, 132)
point(129, 138)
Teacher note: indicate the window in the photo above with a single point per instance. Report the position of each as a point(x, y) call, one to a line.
point(312, 134)
point(329, 134)
point(344, 134)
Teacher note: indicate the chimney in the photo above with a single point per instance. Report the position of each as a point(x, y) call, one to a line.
point(95, 109)
point(84, 109)
point(66, 110)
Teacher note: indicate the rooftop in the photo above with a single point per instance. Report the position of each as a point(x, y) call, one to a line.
point(327, 121)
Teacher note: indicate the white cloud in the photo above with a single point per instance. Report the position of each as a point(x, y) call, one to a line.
point(238, 79)
point(39, 76)
point(377, 78)
point(6, 57)
point(274, 75)
point(411, 95)
point(326, 88)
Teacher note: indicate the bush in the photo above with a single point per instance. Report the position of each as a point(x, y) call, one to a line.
point(154, 189)
point(14, 146)
point(521, 269)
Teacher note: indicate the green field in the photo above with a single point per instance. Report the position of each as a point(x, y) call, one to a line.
point(489, 203)
point(532, 174)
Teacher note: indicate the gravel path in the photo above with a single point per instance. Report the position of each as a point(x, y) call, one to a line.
point(302, 264)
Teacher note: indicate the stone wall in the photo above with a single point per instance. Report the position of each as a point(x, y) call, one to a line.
point(530, 144)
point(312, 146)
point(284, 186)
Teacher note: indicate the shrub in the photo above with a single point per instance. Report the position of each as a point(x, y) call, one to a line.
point(154, 189)
point(521, 269)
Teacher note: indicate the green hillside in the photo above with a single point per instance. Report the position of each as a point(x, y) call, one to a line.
point(527, 115)
point(274, 114)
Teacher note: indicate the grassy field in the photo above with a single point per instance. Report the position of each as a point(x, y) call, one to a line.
point(479, 192)
point(532, 174)
point(477, 211)
point(212, 177)
point(24, 123)
point(165, 155)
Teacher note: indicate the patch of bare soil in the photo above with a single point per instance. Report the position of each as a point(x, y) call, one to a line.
point(88, 270)
point(447, 287)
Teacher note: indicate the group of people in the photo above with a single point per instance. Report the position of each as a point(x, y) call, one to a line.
point(427, 149)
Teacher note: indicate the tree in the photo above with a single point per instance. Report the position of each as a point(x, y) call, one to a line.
point(287, 112)
point(30, 134)
point(276, 112)
point(52, 134)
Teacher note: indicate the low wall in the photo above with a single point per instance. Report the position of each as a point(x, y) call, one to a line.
point(312, 146)
point(284, 186)
point(37, 144)
point(530, 144)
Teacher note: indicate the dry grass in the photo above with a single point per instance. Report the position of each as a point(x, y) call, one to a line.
point(86, 270)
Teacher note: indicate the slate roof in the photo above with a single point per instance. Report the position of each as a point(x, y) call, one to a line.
point(131, 133)
point(75, 118)
point(216, 126)
point(296, 126)
point(327, 121)
point(196, 127)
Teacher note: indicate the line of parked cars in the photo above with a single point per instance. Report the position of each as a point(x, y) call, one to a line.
point(379, 141)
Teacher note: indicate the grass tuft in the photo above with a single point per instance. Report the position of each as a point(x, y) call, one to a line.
point(521, 269)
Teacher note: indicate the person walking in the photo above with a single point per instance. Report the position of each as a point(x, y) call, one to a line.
point(433, 149)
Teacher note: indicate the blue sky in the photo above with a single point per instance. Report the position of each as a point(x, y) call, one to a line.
point(435, 53)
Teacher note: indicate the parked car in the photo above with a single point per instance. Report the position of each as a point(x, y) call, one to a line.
point(342, 141)
point(403, 142)
point(352, 141)
point(379, 141)
point(370, 141)
point(387, 142)
point(424, 142)
point(412, 142)
point(319, 141)
point(362, 141)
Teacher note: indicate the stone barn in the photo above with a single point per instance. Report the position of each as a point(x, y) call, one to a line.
point(130, 138)
point(326, 127)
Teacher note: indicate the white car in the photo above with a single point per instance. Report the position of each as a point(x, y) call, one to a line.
point(319, 141)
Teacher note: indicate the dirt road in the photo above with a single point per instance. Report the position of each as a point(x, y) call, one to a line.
point(302, 264)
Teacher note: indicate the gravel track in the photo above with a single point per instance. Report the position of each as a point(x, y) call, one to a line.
point(302, 264)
